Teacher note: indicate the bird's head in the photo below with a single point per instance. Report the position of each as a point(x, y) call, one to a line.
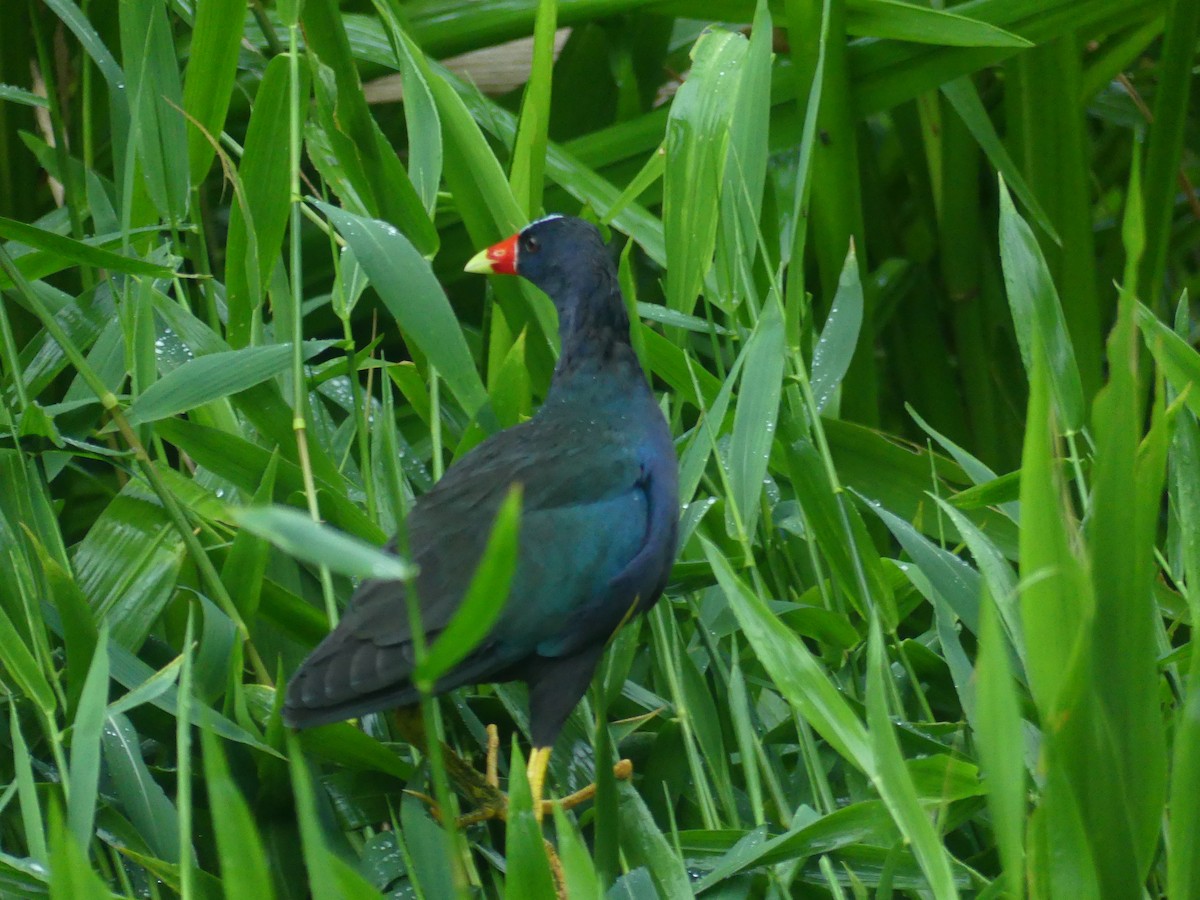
point(559, 254)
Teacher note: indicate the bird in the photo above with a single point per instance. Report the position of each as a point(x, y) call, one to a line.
point(598, 473)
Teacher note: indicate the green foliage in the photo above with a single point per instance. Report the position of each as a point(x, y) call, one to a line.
point(931, 628)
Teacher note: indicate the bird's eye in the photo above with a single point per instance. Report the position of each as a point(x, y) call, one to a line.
point(531, 244)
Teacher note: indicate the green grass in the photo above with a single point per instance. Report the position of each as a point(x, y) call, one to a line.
point(913, 283)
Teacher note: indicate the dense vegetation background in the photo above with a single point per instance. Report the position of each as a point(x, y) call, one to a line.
point(931, 629)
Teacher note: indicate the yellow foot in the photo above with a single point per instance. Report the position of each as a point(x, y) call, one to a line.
point(489, 807)
point(483, 792)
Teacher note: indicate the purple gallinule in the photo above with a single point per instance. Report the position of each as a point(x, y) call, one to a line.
point(598, 523)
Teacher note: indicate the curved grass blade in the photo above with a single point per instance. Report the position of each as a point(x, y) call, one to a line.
point(1037, 313)
point(900, 21)
point(244, 870)
point(797, 675)
point(697, 141)
point(211, 70)
point(894, 782)
point(407, 286)
point(297, 534)
point(85, 745)
point(142, 798)
point(839, 337)
point(74, 251)
point(212, 376)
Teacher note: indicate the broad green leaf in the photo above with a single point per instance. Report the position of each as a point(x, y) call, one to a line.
point(1037, 313)
point(1129, 749)
point(90, 40)
point(511, 392)
point(142, 798)
point(905, 22)
point(130, 672)
point(1177, 360)
point(158, 127)
point(148, 691)
point(262, 405)
point(243, 463)
point(579, 871)
point(128, 563)
point(667, 316)
point(529, 149)
point(706, 435)
point(19, 95)
point(839, 337)
point(976, 470)
point(408, 288)
point(963, 96)
point(244, 871)
point(212, 376)
point(1183, 856)
point(384, 184)
point(755, 415)
point(998, 577)
point(420, 112)
point(70, 250)
point(745, 167)
point(427, 849)
point(85, 746)
point(23, 667)
point(793, 669)
point(71, 878)
point(246, 564)
point(644, 845)
point(208, 86)
point(853, 560)
point(1000, 739)
point(697, 141)
point(27, 513)
point(32, 818)
point(898, 477)
point(866, 821)
point(318, 861)
point(1056, 598)
point(528, 871)
point(296, 533)
point(955, 581)
point(892, 779)
point(258, 215)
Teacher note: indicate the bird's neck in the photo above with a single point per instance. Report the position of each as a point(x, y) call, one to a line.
point(596, 351)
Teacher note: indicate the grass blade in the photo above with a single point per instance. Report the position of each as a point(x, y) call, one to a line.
point(212, 377)
point(755, 416)
point(408, 288)
point(296, 533)
point(208, 84)
point(85, 746)
point(894, 782)
point(1037, 313)
point(244, 870)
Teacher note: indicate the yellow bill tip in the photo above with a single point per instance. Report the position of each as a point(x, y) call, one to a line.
point(480, 263)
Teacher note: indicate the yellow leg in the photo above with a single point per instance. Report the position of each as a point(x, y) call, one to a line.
point(622, 771)
point(539, 758)
point(493, 755)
